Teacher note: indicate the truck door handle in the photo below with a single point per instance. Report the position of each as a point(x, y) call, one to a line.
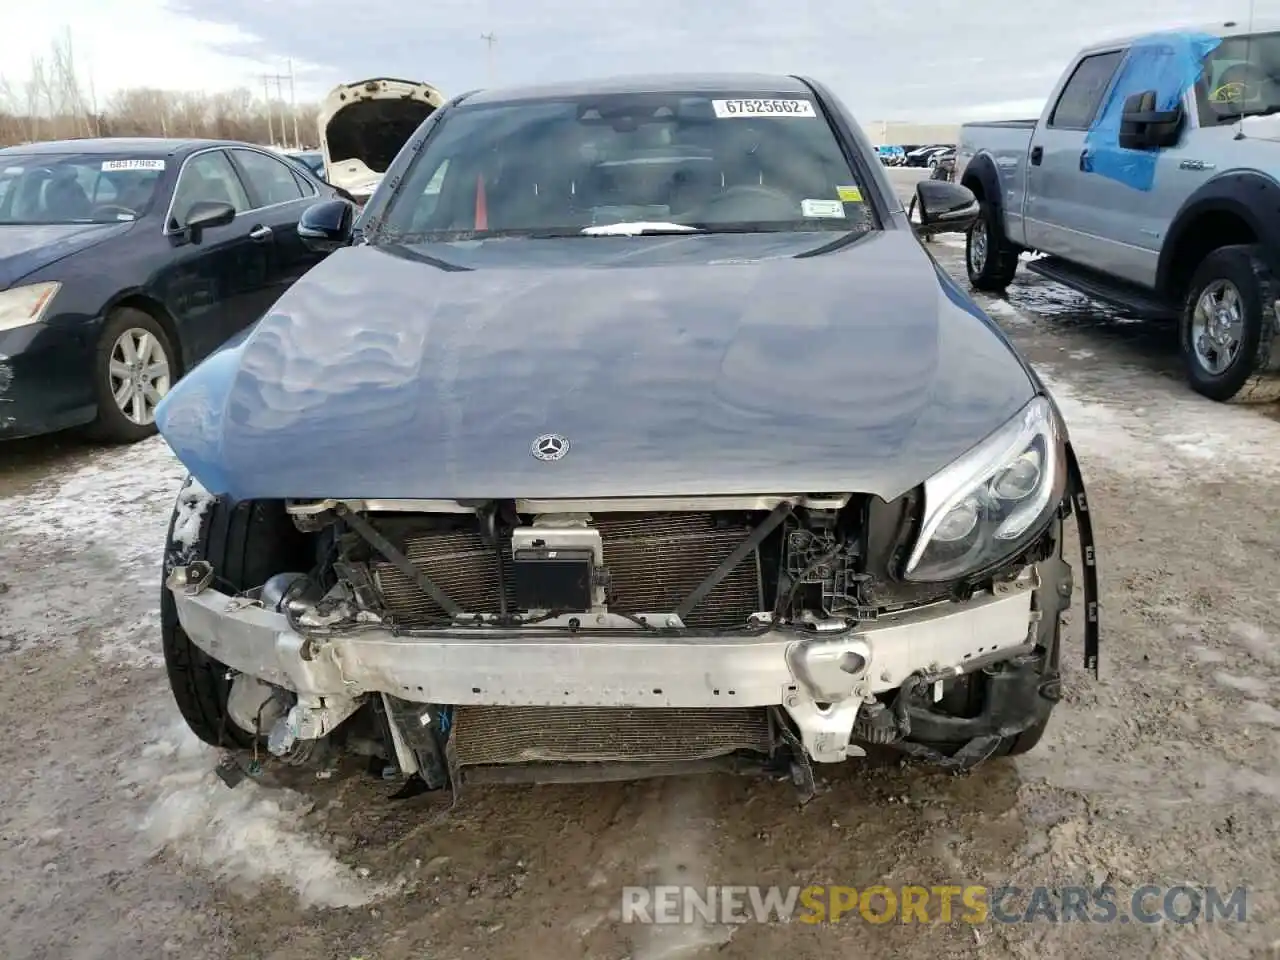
point(260, 233)
point(1085, 156)
point(1037, 154)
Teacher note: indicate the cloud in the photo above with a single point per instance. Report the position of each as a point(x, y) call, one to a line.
point(889, 59)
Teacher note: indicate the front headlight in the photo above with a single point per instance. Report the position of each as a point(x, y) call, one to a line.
point(986, 506)
point(20, 306)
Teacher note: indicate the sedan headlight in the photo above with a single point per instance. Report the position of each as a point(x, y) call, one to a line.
point(989, 504)
point(20, 306)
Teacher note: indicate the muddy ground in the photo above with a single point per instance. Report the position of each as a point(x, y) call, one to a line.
point(117, 841)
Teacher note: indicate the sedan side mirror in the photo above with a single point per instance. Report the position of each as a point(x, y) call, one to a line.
point(204, 214)
point(1143, 127)
point(326, 226)
point(944, 207)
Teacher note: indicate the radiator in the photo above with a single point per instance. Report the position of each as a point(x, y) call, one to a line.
point(502, 735)
point(654, 562)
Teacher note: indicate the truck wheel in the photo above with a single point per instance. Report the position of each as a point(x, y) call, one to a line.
point(133, 367)
point(990, 261)
point(246, 544)
point(1228, 326)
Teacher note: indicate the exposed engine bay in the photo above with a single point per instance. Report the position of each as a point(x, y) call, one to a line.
point(517, 640)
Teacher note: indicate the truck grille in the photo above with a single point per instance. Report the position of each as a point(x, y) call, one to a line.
point(654, 561)
point(497, 735)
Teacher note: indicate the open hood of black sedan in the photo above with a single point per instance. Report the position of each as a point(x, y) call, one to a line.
point(699, 364)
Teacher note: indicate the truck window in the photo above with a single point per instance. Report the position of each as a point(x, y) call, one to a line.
point(1240, 79)
point(1082, 94)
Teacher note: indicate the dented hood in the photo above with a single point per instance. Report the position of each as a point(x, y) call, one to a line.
point(364, 124)
point(673, 366)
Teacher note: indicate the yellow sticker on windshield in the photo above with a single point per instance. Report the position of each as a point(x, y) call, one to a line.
point(849, 194)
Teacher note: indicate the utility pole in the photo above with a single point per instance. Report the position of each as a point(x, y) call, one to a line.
point(490, 39)
point(266, 97)
point(279, 79)
point(293, 108)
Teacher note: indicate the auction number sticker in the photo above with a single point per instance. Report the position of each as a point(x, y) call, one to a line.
point(141, 163)
point(763, 108)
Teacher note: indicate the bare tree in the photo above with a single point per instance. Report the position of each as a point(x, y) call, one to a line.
point(51, 103)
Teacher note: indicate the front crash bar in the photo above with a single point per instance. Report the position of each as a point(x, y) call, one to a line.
point(820, 679)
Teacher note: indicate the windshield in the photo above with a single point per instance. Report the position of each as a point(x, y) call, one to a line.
point(1241, 78)
point(76, 188)
point(640, 163)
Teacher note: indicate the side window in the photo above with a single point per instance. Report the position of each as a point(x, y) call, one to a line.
point(303, 184)
point(208, 177)
point(1083, 93)
point(270, 179)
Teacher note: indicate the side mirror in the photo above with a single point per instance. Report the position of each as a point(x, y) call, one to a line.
point(204, 214)
point(944, 207)
point(326, 226)
point(1143, 127)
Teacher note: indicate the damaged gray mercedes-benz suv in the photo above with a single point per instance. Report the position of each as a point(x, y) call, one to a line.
point(629, 431)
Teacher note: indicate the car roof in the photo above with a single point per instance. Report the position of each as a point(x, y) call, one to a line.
point(1221, 28)
point(647, 83)
point(139, 146)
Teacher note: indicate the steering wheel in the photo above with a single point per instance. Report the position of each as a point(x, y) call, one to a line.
point(118, 208)
point(1239, 83)
point(745, 192)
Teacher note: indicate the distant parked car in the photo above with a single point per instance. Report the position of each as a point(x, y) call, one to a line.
point(941, 157)
point(313, 160)
point(919, 156)
point(124, 262)
point(891, 155)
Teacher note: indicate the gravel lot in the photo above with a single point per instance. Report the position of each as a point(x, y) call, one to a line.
point(117, 841)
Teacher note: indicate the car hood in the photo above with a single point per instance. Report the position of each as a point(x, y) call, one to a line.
point(673, 366)
point(25, 248)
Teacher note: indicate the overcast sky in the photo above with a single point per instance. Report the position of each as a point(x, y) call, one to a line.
point(890, 59)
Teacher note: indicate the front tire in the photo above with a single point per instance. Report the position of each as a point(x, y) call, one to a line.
point(133, 367)
point(989, 259)
point(246, 544)
point(1228, 326)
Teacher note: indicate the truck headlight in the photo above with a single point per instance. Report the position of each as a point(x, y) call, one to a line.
point(991, 502)
point(20, 306)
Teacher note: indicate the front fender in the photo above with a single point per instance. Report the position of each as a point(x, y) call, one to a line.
point(1250, 195)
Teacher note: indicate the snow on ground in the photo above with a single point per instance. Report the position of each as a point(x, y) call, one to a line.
point(1166, 437)
point(245, 836)
point(119, 500)
point(105, 521)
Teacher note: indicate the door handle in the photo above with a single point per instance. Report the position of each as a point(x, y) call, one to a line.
point(1037, 155)
point(260, 233)
point(1085, 157)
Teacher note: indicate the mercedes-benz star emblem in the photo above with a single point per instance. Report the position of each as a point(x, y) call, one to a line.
point(550, 446)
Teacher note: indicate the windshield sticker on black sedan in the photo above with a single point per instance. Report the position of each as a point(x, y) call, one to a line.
point(821, 208)
point(763, 108)
point(140, 163)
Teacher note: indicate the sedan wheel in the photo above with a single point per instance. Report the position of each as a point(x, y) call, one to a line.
point(139, 374)
point(134, 366)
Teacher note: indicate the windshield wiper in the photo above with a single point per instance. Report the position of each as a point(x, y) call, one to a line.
point(635, 228)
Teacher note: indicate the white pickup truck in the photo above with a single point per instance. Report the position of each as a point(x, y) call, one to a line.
point(1151, 182)
point(364, 124)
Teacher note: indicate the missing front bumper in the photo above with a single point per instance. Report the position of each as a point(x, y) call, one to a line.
point(821, 681)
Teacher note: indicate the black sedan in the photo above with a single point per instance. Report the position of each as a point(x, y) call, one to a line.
point(124, 262)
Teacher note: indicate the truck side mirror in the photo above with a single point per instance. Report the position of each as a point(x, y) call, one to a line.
point(1143, 127)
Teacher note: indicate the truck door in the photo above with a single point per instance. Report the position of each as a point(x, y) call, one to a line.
point(1059, 217)
point(1134, 194)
